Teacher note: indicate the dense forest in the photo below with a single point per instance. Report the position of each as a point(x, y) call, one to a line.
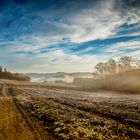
point(4, 74)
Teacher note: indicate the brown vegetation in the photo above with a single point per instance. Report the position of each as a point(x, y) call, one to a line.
point(71, 115)
point(17, 124)
point(117, 76)
point(12, 125)
point(125, 82)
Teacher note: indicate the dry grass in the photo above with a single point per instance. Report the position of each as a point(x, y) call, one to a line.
point(12, 125)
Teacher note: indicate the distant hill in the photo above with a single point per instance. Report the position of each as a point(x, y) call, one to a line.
point(52, 77)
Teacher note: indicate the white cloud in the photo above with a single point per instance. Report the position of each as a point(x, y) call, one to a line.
point(135, 44)
point(62, 61)
point(129, 48)
point(100, 21)
point(129, 44)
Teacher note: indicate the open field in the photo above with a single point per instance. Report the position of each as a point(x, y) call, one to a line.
point(69, 69)
point(34, 84)
point(70, 114)
point(36, 111)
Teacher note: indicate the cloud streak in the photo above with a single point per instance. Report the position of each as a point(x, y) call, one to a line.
point(79, 33)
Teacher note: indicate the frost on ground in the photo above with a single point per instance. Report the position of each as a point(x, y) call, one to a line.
point(71, 114)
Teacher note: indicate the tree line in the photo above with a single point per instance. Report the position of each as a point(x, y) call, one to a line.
point(111, 67)
point(4, 74)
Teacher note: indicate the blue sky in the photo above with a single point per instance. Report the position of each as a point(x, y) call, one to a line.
point(62, 35)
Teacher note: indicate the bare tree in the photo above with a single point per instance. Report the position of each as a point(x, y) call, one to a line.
point(125, 63)
point(137, 62)
point(111, 66)
point(100, 68)
point(120, 67)
point(106, 68)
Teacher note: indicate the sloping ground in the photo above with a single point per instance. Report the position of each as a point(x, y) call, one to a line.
point(17, 126)
point(77, 115)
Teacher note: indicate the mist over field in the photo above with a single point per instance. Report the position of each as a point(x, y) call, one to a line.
point(69, 70)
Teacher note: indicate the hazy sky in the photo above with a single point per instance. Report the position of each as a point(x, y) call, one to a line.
point(67, 35)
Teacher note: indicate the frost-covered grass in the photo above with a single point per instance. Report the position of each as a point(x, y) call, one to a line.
point(70, 114)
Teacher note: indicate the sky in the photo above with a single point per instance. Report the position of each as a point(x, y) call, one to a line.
point(67, 35)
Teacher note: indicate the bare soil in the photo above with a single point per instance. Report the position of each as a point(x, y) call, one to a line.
point(31, 111)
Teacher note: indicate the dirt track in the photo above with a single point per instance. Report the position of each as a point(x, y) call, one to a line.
point(15, 124)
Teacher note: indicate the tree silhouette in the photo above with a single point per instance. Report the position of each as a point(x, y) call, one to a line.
point(13, 76)
point(100, 67)
point(112, 67)
point(125, 63)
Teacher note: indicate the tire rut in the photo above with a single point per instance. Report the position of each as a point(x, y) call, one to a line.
point(33, 124)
